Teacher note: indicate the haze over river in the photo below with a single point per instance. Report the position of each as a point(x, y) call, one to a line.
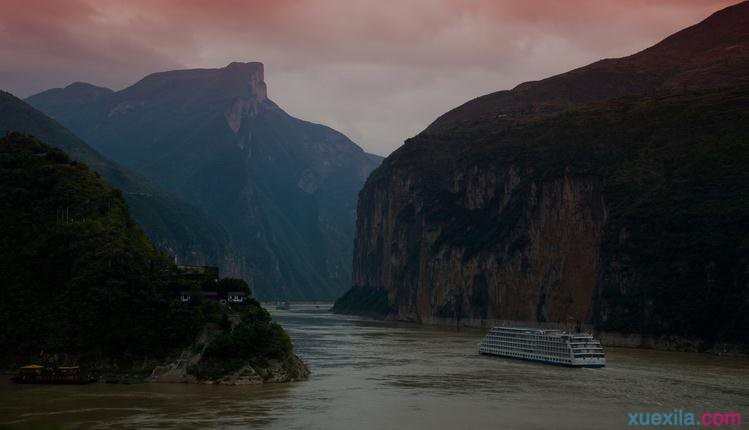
point(383, 375)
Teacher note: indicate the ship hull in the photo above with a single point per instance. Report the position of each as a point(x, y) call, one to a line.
point(546, 362)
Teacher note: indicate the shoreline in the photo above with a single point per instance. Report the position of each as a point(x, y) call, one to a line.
point(292, 369)
point(607, 338)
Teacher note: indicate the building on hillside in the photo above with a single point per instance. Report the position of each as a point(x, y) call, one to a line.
point(237, 297)
point(201, 283)
point(232, 297)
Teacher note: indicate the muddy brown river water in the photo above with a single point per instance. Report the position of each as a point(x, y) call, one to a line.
point(381, 375)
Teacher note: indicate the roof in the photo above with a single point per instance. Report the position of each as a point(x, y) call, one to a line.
point(529, 330)
point(33, 366)
point(237, 293)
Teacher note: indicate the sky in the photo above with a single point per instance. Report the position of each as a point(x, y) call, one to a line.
point(378, 71)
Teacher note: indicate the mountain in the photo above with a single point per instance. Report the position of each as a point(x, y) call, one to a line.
point(83, 285)
point(284, 189)
point(173, 225)
point(77, 271)
point(706, 55)
point(613, 195)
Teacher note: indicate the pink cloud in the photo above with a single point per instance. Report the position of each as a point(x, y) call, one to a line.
point(378, 71)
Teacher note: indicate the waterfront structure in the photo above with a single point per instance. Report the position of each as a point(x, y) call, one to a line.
point(546, 346)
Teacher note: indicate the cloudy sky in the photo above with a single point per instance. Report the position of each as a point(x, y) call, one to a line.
point(378, 71)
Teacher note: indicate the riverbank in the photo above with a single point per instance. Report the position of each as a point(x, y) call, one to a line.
point(608, 339)
point(177, 371)
point(195, 366)
point(245, 348)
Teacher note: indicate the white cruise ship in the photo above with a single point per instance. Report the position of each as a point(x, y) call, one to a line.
point(547, 346)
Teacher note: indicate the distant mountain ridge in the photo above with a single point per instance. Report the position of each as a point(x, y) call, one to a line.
point(709, 54)
point(614, 195)
point(173, 225)
point(284, 189)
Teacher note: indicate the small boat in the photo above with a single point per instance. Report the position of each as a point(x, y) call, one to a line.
point(36, 374)
point(283, 305)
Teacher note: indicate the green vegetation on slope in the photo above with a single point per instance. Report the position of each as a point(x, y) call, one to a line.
point(81, 278)
point(171, 223)
point(254, 340)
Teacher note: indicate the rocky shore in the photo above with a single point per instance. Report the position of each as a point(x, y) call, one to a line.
point(183, 368)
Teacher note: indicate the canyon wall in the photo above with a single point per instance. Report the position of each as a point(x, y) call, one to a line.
point(635, 233)
point(611, 196)
point(544, 267)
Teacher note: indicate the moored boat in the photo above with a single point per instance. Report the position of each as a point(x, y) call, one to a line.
point(36, 374)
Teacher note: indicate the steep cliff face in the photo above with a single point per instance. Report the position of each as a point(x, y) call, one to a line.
point(541, 268)
point(284, 189)
point(545, 205)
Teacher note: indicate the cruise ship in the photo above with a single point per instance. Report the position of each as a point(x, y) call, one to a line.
point(546, 346)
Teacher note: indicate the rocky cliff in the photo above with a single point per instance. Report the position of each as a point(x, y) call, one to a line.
point(189, 365)
point(613, 195)
point(284, 189)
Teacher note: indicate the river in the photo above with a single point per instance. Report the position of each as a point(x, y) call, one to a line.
point(383, 375)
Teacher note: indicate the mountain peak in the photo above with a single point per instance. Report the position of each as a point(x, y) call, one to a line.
point(236, 80)
point(84, 86)
point(80, 92)
point(250, 68)
point(244, 73)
